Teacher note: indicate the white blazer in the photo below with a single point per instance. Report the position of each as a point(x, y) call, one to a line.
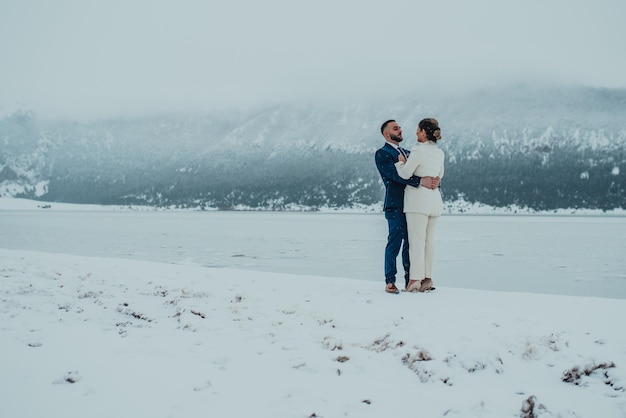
point(426, 159)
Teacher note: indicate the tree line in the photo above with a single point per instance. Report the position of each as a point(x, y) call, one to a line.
point(554, 179)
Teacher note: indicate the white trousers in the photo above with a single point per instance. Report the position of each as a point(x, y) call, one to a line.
point(421, 244)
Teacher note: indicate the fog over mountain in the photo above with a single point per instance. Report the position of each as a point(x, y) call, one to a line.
point(536, 146)
point(86, 60)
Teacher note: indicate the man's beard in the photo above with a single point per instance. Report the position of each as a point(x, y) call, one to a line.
point(395, 138)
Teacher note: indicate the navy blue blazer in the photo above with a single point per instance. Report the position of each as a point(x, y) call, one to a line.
point(386, 157)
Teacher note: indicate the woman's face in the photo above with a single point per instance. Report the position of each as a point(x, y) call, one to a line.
point(421, 135)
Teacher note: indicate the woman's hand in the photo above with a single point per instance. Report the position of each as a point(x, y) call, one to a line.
point(401, 158)
point(430, 182)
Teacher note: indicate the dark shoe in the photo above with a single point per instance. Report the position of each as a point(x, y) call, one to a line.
point(391, 288)
point(426, 285)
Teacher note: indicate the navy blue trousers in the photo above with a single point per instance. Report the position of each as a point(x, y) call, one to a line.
point(398, 238)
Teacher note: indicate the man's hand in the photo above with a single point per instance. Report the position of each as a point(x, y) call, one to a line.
point(430, 182)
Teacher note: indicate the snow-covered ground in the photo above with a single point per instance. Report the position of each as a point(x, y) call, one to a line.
point(133, 323)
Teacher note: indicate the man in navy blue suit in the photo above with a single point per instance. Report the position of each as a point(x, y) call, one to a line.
point(386, 157)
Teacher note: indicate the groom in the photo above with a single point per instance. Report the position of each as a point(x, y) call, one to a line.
point(393, 206)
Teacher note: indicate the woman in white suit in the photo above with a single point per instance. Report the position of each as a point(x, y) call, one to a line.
point(422, 205)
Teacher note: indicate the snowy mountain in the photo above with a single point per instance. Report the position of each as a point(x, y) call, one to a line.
point(532, 146)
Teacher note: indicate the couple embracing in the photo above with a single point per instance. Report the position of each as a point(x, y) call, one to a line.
point(412, 204)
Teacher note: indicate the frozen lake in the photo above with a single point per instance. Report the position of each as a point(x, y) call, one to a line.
point(568, 255)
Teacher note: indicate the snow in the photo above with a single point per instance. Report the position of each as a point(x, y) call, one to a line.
point(128, 336)
point(458, 207)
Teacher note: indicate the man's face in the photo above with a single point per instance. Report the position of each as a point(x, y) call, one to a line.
point(395, 132)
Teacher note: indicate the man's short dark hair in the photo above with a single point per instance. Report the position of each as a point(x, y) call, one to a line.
point(384, 125)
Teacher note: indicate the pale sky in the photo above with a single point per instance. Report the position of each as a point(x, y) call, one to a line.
point(88, 58)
